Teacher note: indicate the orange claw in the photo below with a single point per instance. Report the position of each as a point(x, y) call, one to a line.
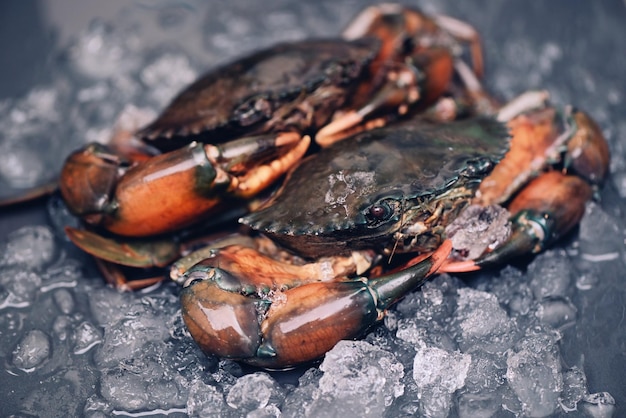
point(262, 176)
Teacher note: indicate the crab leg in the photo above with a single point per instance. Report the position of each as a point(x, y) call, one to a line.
point(416, 77)
point(172, 190)
point(402, 89)
point(288, 327)
point(552, 203)
point(545, 210)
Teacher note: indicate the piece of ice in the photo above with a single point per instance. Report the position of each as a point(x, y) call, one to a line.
point(512, 290)
point(551, 275)
point(20, 287)
point(85, 337)
point(64, 300)
point(61, 327)
point(486, 373)
point(124, 389)
point(599, 405)
point(482, 322)
point(269, 411)
point(601, 236)
point(298, 401)
point(254, 391)
point(206, 401)
point(534, 373)
point(479, 405)
point(574, 389)
point(29, 247)
point(32, 350)
point(558, 313)
point(359, 380)
point(438, 374)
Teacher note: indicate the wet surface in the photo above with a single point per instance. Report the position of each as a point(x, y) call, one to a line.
point(70, 346)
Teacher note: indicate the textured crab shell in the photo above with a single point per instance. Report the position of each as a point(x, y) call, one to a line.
point(328, 198)
point(237, 98)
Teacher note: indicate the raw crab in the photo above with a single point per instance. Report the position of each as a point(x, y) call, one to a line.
point(384, 208)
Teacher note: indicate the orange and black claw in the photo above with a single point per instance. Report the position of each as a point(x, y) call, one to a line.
point(545, 210)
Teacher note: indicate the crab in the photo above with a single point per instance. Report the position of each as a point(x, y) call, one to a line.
point(381, 207)
point(235, 131)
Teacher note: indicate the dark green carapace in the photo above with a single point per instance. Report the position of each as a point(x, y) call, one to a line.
point(359, 192)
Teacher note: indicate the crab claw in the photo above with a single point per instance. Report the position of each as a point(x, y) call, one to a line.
point(550, 206)
point(129, 252)
point(282, 328)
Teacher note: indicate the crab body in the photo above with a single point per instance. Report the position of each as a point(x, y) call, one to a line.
point(372, 188)
point(360, 193)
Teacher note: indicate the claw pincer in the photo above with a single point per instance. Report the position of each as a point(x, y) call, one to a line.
point(281, 326)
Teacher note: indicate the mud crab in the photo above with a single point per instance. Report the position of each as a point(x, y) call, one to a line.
point(411, 187)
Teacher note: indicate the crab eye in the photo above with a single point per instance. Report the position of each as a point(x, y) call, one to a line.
point(380, 211)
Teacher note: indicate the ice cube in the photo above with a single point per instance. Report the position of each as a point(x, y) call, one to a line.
point(599, 405)
point(30, 247)
point(359, 380)
point(254, 391)
point(206, 401)
point(482, 322)
point(32, 351)
point(438, 374)
point(85, 337)
point(534, 373)
point(551, 275)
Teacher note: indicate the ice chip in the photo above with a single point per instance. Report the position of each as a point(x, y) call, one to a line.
point(438, 374)
point(124, 389)
point(64, 300)
point(86, 336)
point(206, 401)
point(254, 391)
point(574, 389)
point(269, 411)
point(601, 237)
point(551, 275)
point(479, 405)
point(558, 313)
point(486, 372)
point(599, 405)
point(31, 247)
point(534, 373)
point(20, 287)
point(482, 322)
point(32, 351)
point(359, 380)
point(445, 369)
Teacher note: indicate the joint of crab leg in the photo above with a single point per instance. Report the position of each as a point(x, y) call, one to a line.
point(545, 210)
point(421, 81)
point(392, 287)
point(587, 150)
point(237, 155)
point(466, 33)
point(262, 176)
point(525, 102)
point(399, 91)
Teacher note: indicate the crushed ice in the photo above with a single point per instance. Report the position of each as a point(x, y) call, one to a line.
point(71, 345)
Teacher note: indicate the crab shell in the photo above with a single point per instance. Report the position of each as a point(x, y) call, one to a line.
point(269, 90)
point(363, 192)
